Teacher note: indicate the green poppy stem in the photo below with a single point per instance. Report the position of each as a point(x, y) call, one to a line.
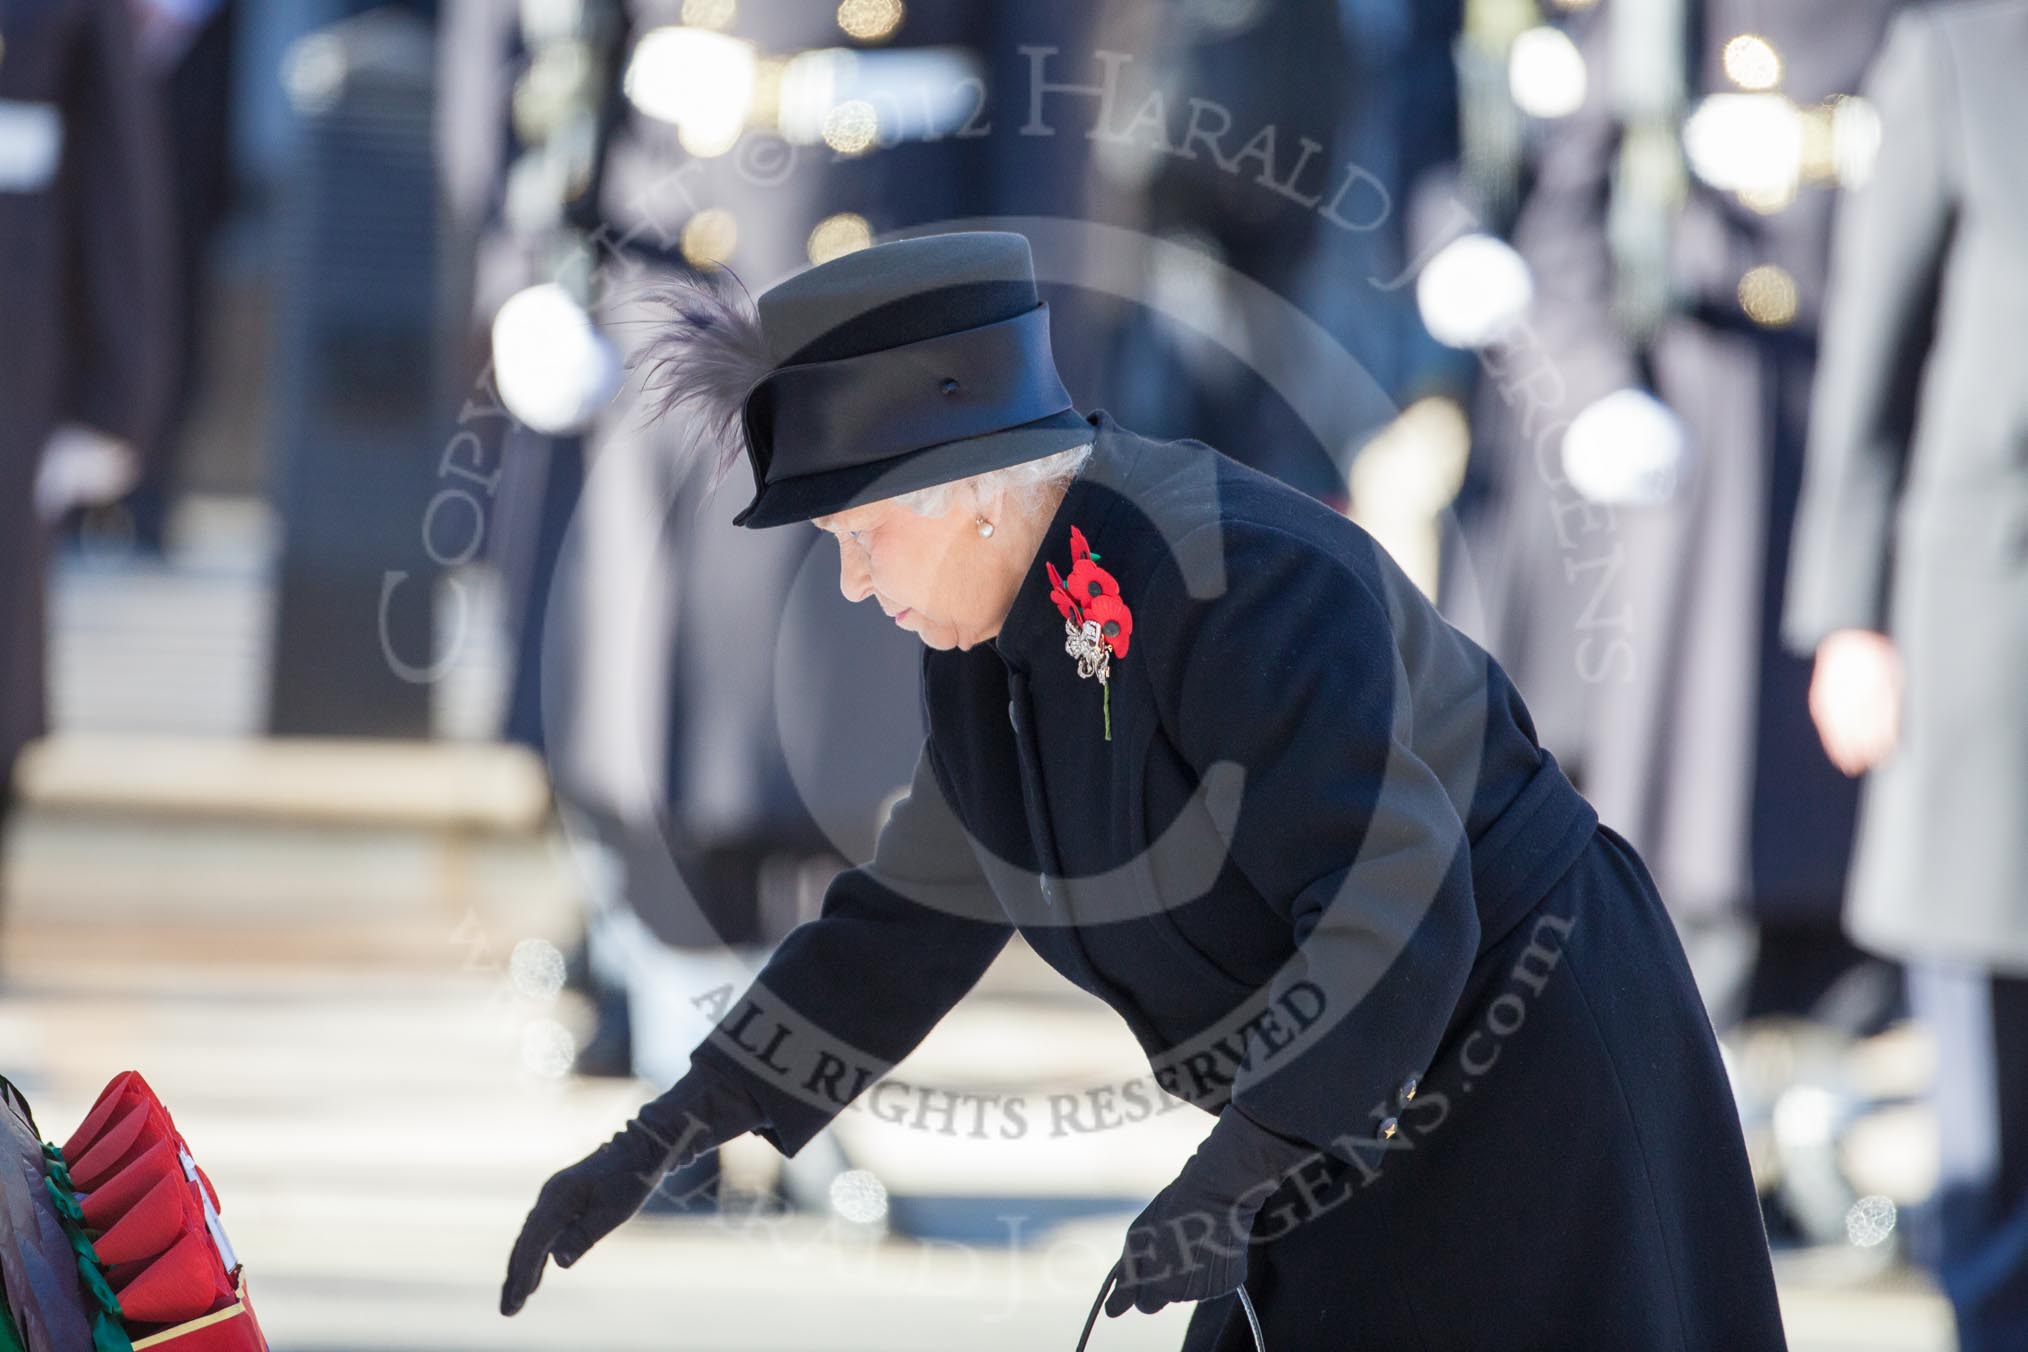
point(1109, 710)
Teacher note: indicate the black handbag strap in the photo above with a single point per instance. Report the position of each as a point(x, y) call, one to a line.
point(1245, 1304)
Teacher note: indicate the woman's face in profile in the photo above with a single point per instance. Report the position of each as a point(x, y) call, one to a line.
point(933, 575)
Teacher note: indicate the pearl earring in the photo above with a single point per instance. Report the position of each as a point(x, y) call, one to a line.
point(985, 526)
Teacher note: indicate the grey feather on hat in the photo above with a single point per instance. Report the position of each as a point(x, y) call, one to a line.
point(703, 360)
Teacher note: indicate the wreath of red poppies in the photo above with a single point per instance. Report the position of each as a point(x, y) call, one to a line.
point(1096, 622)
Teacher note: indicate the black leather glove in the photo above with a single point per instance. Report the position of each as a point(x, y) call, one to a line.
point(1191, 1241)
point(583, 1204)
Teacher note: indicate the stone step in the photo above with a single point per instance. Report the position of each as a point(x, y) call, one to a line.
point(269, 849)
point(463, 786)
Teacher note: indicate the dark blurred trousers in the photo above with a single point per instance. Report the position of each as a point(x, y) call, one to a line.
point(1977, 1238)
point(7, 797)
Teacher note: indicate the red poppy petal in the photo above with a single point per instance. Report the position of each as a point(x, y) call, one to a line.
point(203, 1178)
point(102, 1160)
point(186, 1281)
point(1078, 548)
point(111, 1199)
point(112, 1102)
point(1087, 579)
point(1111, 610)
point(150, 1226)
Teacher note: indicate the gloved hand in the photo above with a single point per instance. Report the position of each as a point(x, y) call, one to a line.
point(83, 467)
point(584, 1203)
point(1190, 1242)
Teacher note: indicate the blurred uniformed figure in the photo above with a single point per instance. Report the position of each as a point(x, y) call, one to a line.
point(1678, 227)
point(1236, 72)
point(525, 104)
point(84, 293)
point(1399, 437)
point(187, 51)
point(721, 776)
point(1258, 65)
point(1507, 569)
point(1304, 156)
point(1909, 585)
point(495, 123)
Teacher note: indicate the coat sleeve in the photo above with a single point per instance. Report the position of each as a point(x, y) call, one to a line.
point(119, 258)
point(1887, 253)
point(1304, 675)
point(898, 941)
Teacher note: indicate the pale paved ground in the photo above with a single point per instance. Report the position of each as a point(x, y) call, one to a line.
point(376, 1137)
point(376, 1140)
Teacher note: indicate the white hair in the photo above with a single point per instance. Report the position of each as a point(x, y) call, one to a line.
point(1025, 482)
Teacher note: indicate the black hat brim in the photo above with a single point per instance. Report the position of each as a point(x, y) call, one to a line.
point(804, 496)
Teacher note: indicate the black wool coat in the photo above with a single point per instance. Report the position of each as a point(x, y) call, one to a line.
point(1319, 826)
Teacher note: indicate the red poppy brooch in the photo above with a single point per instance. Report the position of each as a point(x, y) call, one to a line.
point(1096, 622)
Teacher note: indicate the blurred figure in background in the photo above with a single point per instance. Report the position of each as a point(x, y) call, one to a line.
point(1909, 584)
point(1402, 435)
point(187, 54)
point(711, 147)
point(1304, 154)
point(1523, 539)
point(499, 124)
point(1678, 227)
point(85, 279)
point(1234, 72)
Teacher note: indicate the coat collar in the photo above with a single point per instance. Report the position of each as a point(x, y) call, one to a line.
point(1032, 635)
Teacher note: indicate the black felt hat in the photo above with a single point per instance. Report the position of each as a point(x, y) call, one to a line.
point(901, 366)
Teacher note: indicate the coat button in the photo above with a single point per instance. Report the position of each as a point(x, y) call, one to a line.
point(1390, 1127)
point(1408, 1088)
